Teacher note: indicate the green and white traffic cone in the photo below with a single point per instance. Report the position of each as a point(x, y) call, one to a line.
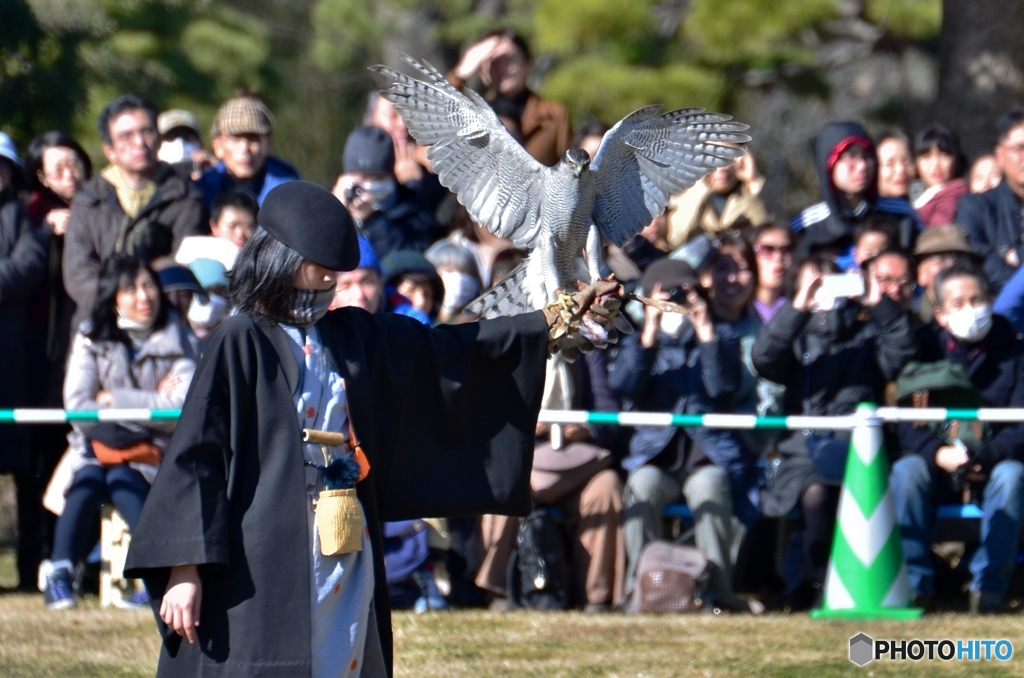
point(867, 575)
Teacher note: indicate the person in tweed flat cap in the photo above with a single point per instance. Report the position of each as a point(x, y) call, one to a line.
point(242, 138)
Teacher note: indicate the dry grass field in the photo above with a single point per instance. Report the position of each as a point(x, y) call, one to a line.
point(89, 641)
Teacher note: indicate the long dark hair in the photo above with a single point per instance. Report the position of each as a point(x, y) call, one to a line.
point(262, 280)
point(38, 147)
point(947, 141)
point(118, 273)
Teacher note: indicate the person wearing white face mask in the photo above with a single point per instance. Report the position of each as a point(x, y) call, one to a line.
point(460, 275)
point(991, 353)
point(683, 363)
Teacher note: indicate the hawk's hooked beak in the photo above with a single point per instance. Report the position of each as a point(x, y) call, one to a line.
point(578, 168)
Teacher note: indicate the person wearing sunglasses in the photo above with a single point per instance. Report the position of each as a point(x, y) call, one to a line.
point(773, 248)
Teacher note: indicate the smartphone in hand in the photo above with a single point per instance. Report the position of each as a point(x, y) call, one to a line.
point(839, 286)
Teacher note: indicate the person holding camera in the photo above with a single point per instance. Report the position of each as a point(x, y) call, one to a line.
point(939, 461)
point(682, 363)
point(832, 346)
point(386, 212)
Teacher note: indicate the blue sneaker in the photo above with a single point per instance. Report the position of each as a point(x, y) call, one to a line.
point(56, 578)
point(136, 601)
point(431, 598)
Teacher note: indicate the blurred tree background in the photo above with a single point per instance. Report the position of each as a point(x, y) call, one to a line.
point(784, 67)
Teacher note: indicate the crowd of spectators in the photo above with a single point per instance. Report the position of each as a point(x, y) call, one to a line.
point(112, 280)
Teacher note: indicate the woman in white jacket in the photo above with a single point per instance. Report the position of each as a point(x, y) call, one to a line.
point(131, 353)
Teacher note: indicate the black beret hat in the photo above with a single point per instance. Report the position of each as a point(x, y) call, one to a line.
point(671, 273)
point(369, 149)
point(310, 220)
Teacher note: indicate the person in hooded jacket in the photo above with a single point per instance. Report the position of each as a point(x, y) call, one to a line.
point(847, 165)
point(830, 354)
point(933, 468)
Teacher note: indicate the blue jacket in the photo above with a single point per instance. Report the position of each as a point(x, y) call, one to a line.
point(216, 180)
point(1010, 302)
point(685, 376)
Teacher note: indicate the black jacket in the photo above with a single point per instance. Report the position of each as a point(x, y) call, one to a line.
point(994, 222)
point(22, 270)
point(446, 417)
point(829, 360)
point(404, 225)
point(995, 367)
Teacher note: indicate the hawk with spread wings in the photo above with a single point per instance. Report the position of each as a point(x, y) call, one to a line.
point(559, 212)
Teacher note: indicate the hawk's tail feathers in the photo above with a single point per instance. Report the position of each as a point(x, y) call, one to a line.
point(508, 297)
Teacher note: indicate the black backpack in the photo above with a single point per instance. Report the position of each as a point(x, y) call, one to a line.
point(539, 576)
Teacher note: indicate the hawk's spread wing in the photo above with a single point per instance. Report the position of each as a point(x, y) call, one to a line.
point(647, 158)
point(471, 151)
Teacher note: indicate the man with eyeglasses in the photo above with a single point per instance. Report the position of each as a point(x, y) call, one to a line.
point(993, 219)
point(893, 272)
point(136, 205)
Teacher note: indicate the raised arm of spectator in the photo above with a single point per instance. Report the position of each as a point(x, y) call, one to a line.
point(720, 363)
point(23, 265)
point(895, 346)
point(772, 353)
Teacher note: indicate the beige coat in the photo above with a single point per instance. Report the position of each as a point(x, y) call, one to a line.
point(690, 213)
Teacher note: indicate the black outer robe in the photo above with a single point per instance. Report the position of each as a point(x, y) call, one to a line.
point(446, 417)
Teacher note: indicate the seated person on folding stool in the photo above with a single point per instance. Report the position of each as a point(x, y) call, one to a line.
point(683, 364)
point(132, 352)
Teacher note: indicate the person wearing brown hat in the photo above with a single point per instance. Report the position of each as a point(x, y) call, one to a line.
point(937, 248)
point(236, 540)
point(242, 140)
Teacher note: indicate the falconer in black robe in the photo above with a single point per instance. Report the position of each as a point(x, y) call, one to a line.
point(445, 416)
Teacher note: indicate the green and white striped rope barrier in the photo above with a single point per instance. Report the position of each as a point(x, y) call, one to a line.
point(724, 421)
point(40, 416)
